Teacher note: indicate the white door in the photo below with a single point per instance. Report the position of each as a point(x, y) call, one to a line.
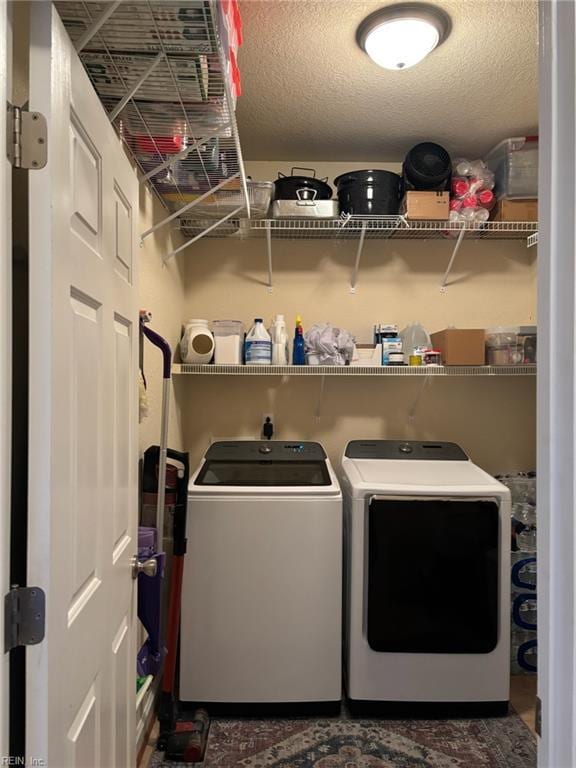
point(81, 681)
point(5, 361)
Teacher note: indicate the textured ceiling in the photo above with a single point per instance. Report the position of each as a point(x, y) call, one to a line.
point(311, 93)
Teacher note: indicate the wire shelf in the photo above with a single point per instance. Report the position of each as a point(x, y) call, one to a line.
point(160, 70)
point(390, 227)
point(328, 370)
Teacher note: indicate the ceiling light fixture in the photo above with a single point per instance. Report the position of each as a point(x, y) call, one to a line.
point(399, 36)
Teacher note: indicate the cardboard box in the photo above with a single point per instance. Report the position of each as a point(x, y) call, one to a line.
point(422, 206)
point(460, 346)
point(515, 210)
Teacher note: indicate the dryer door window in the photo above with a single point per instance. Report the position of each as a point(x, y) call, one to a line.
point(433, 575)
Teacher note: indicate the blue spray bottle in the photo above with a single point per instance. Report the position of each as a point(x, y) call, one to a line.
point(298, 355)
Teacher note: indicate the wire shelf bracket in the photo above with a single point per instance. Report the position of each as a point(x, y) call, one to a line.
point(533, 240)
point(457, 245)
point(217, 223)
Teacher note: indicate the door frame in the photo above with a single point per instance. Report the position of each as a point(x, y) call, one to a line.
point(5, 362)
point(556, 431)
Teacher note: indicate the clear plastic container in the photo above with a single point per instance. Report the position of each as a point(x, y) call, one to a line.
point(515, 165)
point(503, 347)
point(220, 203)
point(228, 342)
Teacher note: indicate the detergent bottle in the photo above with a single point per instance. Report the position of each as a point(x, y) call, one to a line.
point(258, 347)
point(279, 341)
point(299, 355)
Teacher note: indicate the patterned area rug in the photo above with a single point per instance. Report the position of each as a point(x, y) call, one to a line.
point(368, 743)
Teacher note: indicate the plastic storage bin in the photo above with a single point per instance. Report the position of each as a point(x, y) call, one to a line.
point(228, 341)
point(223, 202)
point(503, 347)
point(515, 165)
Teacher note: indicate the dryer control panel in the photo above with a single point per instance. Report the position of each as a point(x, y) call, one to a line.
point(404, 449)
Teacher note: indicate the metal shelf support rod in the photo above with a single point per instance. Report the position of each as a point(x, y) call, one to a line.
point(269, 250)
point(185, 152)
point(359, 250)
point(451, 262)
point(125, 99)
point(205, 232)
point(83, 41)
point(187, 207)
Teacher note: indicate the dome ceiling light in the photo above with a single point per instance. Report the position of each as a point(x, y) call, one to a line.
point(399, 36)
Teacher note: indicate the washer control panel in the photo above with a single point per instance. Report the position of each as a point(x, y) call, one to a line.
point(262, 450)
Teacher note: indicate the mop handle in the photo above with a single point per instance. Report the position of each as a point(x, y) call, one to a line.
point(164, 347)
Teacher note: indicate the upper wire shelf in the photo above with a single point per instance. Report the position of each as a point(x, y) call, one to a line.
point(397, 227)
point(371, 228)
point(163, 75)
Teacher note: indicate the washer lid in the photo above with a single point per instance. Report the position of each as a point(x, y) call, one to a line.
point(404, 449)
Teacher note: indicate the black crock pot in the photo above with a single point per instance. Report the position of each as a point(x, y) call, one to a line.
point(369, 193)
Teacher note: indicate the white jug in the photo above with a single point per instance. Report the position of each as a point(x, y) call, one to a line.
point(197, 345)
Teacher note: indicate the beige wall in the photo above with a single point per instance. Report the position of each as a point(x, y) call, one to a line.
point(162, 293)
point(492, 284)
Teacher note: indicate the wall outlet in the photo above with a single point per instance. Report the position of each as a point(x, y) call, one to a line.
point(265, 416)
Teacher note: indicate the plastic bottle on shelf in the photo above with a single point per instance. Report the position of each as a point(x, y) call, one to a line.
point(279, 337)
point(299, 352)
point(258, 346)
point(523, 653)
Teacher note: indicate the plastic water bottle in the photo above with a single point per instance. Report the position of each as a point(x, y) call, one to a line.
point(258, 346)
point(279, 337)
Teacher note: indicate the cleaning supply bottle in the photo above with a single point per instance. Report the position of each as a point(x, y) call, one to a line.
point(279, 341)
point(299, 355)
point(258, 347)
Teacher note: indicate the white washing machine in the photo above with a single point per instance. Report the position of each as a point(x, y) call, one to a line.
point(427, 539)
point(262, 589)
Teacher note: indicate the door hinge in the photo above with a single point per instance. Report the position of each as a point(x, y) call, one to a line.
point(24, 617)
point(26, 138)
point(538, 718)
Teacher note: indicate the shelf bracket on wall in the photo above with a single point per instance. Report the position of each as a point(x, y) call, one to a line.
point(318, 413)
point(269, 252)
point(203, 233)
point(187, 207)
point(355, 270)
point(532, 240)
point(452, 258)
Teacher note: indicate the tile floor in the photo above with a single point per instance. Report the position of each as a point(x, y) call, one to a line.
point(522, 697)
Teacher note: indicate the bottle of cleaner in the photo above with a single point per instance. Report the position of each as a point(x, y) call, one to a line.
point(258, 347)
point(299, 355)
point(279, 341)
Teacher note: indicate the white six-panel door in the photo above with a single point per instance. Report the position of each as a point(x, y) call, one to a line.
point(83, 418)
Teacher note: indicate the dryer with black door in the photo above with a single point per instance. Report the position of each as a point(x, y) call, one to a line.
point(427, 534)
point(262, 589)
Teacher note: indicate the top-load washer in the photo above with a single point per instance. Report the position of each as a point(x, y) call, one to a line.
point(427, 537)
point(262, 588)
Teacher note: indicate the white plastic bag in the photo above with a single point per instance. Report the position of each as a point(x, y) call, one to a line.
point(328, 345)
